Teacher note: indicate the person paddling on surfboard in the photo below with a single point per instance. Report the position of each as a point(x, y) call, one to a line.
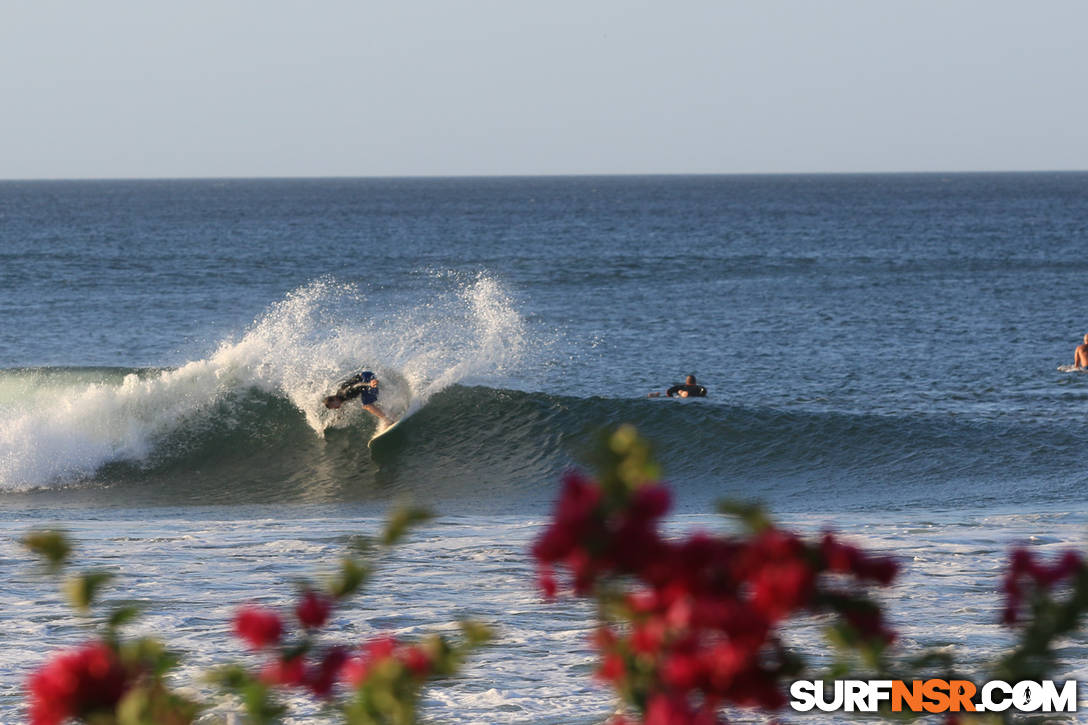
point(364, 386)
point(689, 389)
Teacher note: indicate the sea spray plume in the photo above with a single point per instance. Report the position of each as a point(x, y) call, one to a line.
point(297, 346)
point(298, 349)
point(306, 343)
point(461, 329)
point(492, 339)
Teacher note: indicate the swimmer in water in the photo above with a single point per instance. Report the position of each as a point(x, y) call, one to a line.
point(689, 389)
point(1080, 355)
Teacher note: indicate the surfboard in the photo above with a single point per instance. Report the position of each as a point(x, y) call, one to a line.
point(385, 430)
point(1071, 369)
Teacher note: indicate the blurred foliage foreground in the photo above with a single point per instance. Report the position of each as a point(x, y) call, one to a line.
point(688, 627)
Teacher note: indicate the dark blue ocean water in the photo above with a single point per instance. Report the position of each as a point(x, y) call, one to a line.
point(881, 354)
point(870, 341)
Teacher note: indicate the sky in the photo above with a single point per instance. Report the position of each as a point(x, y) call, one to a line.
point(248, 88)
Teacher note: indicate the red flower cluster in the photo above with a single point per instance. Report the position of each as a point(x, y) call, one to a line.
point(297, 666)
point(337, 665)
point(699, 628)
point(258, 626)
point(318, 676)
point(77, 684)
point(1025, 571)
point(262, 628)
point(594, 536)
point(382, 651)
point(116, 678)
point(313, 609)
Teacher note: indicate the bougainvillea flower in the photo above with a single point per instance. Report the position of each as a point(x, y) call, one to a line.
point(74, 684)
point(313, 609)
point(258, 626)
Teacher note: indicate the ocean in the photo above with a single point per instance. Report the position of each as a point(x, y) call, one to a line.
point(880, 351)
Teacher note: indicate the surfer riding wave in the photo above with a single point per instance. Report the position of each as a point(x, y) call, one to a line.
point(363, 385)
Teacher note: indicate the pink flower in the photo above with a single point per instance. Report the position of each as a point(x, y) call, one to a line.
point(665, 710)
point(286, 672)
point(321, 679)
point(781, 587)
point(258, 626)
point(545, 579)
point(869, 623)
point(612, 668)
point(651, 502)
point(648, 638)
point(313, 609)
point(86, 681)
point(380, 648)
point(413, 658)
point(699, 616)
point(723, 662)
point(848, 559)
point(574, 514)
point(355, 671)
point(1024, 566)
point(416, 660)
point(681, 671)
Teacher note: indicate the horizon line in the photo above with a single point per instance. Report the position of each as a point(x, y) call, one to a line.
point(392, 177)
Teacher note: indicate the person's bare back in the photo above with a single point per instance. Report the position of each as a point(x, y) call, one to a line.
point(1080, 356)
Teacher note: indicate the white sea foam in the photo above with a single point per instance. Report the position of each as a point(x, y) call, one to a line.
point(57, 428)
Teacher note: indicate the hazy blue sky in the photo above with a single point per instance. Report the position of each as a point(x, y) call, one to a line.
point(114, 88)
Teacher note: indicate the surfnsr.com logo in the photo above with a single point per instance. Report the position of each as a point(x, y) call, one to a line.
point(933, 696)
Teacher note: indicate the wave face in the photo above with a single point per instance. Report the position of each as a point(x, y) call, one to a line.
point(63, 425)
point(220, 431)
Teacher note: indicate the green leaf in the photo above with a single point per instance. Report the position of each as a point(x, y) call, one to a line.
point(349, 579)
point(792, 664)
point(149, 654)
point(627, 460)
point(231, 677)
point(401, 521)
point(752, 515)
point(362, 545)
point(839, 670)
point(476, 633)
point(259, 704)
point(123, 615)
point(51, 545)
point(297, 650)
point(255, 695)
point(933, 661)
point(155, 705)
point(84, 587)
